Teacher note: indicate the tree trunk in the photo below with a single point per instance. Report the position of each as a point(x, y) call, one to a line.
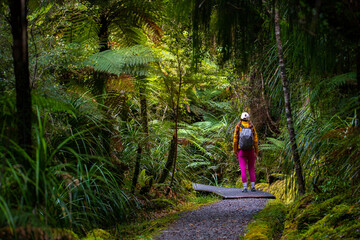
point(18, 24)
point(136, 170)
point(100, 84)
point(176, 120)
point(295, 152)
point(358, 83)
point(103, 34)
point(143, 105)
point(170, 160)
point(142, 84)
point(100, 78)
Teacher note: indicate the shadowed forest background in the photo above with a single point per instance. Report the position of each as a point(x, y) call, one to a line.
point(111, 109)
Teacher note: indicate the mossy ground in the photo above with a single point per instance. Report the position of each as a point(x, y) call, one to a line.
point(324, 217)
point(268, 223)
point(314, 216)
point(278, 189)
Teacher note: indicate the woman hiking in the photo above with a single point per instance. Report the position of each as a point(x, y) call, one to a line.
point(245, 146)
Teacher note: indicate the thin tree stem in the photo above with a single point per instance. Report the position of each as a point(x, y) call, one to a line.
point(289, 118)
point(137, 169)
point(358, 83)
point(176, 119)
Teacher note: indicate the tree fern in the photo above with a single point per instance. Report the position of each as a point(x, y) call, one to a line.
point(73, 23)
point(131, 60)
point(127, 22)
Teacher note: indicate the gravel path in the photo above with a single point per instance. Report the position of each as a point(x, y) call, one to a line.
point(225, 219)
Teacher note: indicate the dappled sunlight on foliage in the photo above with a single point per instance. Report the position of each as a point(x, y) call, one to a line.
point(111, 110)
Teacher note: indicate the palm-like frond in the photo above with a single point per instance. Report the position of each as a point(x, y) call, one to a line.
point(53, 105)
point(341, 87)
point(234, 24)
point(74, 24)
point(131, 60)
point(130, 21)
point(273, 145)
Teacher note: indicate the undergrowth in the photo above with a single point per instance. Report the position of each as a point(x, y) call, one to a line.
point(314, 216)
point(322, 216)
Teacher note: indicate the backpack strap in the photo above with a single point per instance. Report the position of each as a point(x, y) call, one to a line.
point(251, 126)
point(238, 127)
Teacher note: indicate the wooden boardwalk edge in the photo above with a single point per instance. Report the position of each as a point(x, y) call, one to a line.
point(232, 193)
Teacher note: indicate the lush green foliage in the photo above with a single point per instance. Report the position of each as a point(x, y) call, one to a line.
point(114, 81)
point(269, 222)
point(323, 217)
point(315, 216)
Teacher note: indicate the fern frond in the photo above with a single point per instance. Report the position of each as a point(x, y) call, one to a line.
point(143, 179)
point(329, 85)
point(126, 35)
point(198, 164)
point(53, 105)
point(75, 25)
point(273, 145)
point(131, 60)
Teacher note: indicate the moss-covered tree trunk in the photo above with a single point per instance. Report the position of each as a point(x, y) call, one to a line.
point(289, 118)
point(18, 22)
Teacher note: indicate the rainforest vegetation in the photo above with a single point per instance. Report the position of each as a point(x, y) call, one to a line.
point(111, 109)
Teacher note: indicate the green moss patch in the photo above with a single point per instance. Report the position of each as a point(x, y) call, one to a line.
point(268, 223)
point(98, 234)
point(316, 217)
point(278, 189)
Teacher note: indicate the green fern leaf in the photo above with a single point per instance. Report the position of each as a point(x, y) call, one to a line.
point(134, 60)
point(53, 105)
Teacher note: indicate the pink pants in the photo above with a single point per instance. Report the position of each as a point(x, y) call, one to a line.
point(247, 157)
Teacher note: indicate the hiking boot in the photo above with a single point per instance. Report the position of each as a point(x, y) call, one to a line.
point(244, 190)
point(253, 189)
